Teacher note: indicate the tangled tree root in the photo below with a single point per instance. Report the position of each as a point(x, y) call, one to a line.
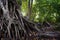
point(13, 26)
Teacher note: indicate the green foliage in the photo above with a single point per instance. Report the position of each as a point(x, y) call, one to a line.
point(49, 10)
point(43, 10)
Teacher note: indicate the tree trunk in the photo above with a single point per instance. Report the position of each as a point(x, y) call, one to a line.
point(30, 2)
